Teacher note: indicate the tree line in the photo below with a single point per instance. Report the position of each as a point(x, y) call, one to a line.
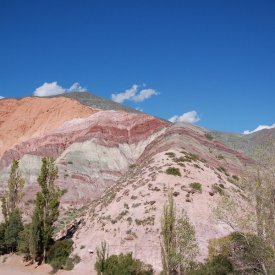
point(35, 239)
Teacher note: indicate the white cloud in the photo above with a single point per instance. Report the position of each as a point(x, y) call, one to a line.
point(133, 94)
point(259, 128)
point(190, 117)
point(139, 109)
point(1, 97)
point(76, 87)
point(128, 94)
point(50, 89)
point(144, 94)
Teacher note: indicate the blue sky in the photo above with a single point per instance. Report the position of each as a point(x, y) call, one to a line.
point(216, 58)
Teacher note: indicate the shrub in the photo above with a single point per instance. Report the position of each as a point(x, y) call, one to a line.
point(220, 157)
point(217, 189)
point(71, 262)
point(125, 265)
point(218, 265)
point(170, 154)
point(209, 136)
point(196, 186)
point(59, 253)
point(132, 166)
point(173, 171)
point(222, 170)
point(235, 177)
point(248, 253)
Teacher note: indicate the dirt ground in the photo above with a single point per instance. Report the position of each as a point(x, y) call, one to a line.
point(13, 265)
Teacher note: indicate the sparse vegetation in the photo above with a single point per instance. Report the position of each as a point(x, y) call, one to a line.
point(209, 136)
point(170, 154)
point(216, 188)
point(222, 170)
point(173, 171)
point(196, 186)
point(220, 157)
point(119, 264)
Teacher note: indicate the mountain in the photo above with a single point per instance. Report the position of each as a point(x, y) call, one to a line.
point(114, 163)
point(259, 145)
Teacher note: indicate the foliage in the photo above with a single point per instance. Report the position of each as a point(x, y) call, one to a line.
point(223, 170)
point(3, 247)
point(248, 253)
point(102, 256)
point(178, 244)
point(15, 187)
point(13, 229)
point(125, 265)
point(173, 171)
point(218, 188)
point(218, 265)
point(46, 210)
point(71, 262)
point(209, 136)
point(187, 247)
point(196, 186)
point(59, 253)
point(24, 242)
point(4, 208)
point(168, 234)
point(9, 230)
point(170, 154)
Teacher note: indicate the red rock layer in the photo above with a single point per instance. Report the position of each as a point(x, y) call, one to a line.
point(31, 117)
point(108, 128)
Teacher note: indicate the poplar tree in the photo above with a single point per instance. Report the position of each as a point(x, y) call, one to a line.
point(168, 232)
point(15, 187)
point(46, 210)
point(179, 247)
point(12, 225)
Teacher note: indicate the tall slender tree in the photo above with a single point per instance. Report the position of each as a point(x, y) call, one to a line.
point(10, 209)
point(46, 210)
point(178, 246)
point(168, 233)
point(15, 187)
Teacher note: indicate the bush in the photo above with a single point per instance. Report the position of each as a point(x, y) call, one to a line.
point(218, 189)
point(218, 265)
point(59, 253)
point(222, 170)
point(248, 253)
point(170, 154)
point(173, 171)
point(209, 136)
point(196, 186)
point(71, 262)
point(124, 265)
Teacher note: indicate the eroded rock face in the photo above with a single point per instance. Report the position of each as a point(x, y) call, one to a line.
point(91, 153)
point(32, 117)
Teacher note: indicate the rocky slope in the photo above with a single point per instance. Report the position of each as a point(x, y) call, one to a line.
point(128, 215)
point(259, 145)
point(113, 163)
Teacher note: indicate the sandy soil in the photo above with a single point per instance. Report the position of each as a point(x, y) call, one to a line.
point(13, 265)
